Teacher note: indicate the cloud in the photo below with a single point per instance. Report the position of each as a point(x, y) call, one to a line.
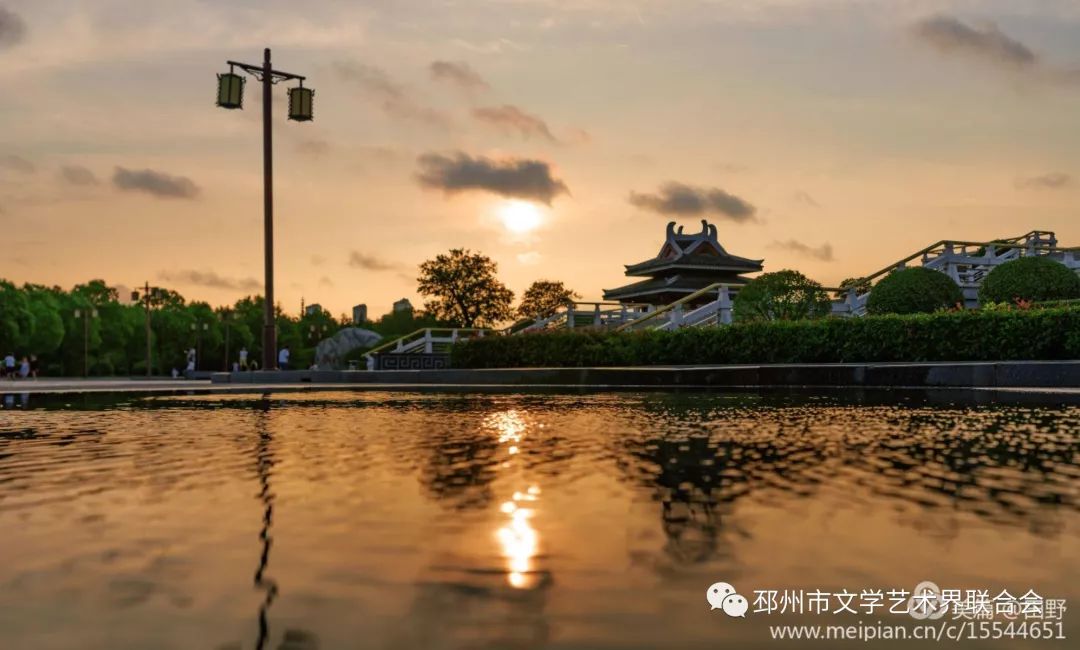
point(325, 281)
point(211, 280)
point(155, 183)
point(987, 43)
point(371, 263)
point(317, 260)
point(496, 46)
point(313, 147)
point(459, 74)
point(731, 168)
point(511, 177)
point(823, 252)
point(394, 99)
point(679, 199)
point(17, 163)
point(530, 258)
point(12, 28)
point(508, 118)
point(77, 175)
point(804, 198)
point(1050, 181)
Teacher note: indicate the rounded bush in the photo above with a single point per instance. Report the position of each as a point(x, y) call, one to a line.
point(1029, 278)
point(781, 295)
point(912, 291)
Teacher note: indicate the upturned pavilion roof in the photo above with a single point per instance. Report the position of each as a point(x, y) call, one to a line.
point(693, 252)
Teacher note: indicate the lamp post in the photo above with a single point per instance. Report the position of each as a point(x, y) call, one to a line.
point(146, 305)
point(317, 331)
point(231, 95)
point(226, 317)
point(86, 315)
point(198, 328)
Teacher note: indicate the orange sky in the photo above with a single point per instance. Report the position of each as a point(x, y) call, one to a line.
point(832, 136)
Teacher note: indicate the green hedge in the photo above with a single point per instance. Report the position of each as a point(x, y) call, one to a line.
point(945, 336)
point(1030, 278)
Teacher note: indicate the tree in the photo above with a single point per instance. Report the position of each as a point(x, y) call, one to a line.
point(464, 289)
point(860, 285)
point(16, 320)
point(915, 290)
point(543, 298)
point(1030, 278)
point(781, 295)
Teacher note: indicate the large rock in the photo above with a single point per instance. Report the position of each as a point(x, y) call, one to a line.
point(330, 353)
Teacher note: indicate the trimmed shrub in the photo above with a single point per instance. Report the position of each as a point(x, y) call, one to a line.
point(781, 295)
point(968, 335)
point(916, 290)
point(1030, 278)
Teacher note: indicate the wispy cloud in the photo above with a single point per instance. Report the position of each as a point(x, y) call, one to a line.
point(1050, 181)
point(529, 258)
point(520, 178)
point(495, 46)
point(18, 164)
point(77, 175)
point(394, 99)
point(155, 183)
point(802, 197)
point(459, 74)
point(12, 28)
point(314, 147)
point(210, 279)
point(823, 252)
point(680, 199)
point(986, 42)
point(371, 262)
point(510, 119)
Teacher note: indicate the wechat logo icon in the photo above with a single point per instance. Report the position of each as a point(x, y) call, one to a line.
point(721, 595)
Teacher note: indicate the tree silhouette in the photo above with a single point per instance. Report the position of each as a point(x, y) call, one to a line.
point(464, 290)
point(543, 298)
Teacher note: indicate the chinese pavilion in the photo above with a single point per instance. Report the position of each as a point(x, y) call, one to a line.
point(685, 264)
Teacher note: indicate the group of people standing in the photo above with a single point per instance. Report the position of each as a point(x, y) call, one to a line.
point(19, 369)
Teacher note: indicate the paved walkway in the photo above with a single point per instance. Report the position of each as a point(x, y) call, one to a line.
point(103, 384)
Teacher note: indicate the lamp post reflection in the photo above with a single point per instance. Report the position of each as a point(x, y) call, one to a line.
point(264, 464)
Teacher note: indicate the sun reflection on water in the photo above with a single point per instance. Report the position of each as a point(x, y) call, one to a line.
point(518, 539)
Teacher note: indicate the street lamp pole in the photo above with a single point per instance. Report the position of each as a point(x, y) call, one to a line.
point(145, 299)
point(146, 304)
point(230, 95)
point(269, 329)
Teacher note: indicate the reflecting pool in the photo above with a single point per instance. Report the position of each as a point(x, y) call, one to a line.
point(432, 520)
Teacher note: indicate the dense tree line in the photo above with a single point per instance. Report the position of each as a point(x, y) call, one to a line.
point(91, 325)
point(93, 330)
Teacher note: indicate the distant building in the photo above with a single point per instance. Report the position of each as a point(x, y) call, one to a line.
point(359, 314)
point(403, 305)
point(684, 265)
point(313, 309)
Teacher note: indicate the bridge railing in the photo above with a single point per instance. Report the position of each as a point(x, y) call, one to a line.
point(425, 341)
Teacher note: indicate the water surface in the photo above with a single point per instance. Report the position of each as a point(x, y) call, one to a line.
point(407, 520)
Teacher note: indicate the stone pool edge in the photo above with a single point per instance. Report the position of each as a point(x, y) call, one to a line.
point(999, 374)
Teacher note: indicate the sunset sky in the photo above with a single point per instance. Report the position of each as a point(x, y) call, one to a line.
point(556, 136)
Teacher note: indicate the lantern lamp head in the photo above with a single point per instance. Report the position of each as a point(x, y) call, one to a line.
point(230, 90)
point(301, 104)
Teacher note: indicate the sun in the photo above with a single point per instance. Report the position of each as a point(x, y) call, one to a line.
point(520, 217)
